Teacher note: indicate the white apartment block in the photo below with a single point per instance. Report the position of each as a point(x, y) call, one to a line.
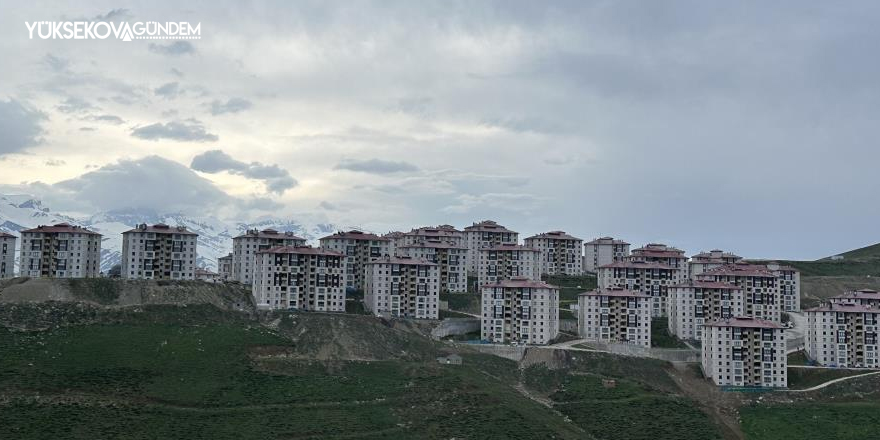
point(246, 246)
point(224, 267)
point(450, 260)
point(663, 254)
point(709, 260)
point(520, 311)
point(560, 253)
point(7, 255)
point(788, 279)
point(359, 249)
point(865, 297)
point(396, 239)
point(842, 335)
point(159, 252)
point(444, 233)
point(506, 261)
point(761, 297)
point(695, 302)
point(60, 251)
point(615, 315)
point(602, 252)
point(402, 287)
point(485, 234)
point(299, 278)
point(652, 279)
point(745, 352)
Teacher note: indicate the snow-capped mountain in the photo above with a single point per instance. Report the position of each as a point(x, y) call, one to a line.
point(18, 212)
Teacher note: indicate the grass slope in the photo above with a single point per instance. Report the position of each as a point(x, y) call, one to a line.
point(839, 421)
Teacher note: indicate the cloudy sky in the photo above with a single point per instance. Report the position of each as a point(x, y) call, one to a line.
point(747, 126)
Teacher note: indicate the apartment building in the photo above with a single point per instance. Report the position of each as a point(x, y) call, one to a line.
point(602, 252)
point(402, 287)
point(663, 254)
point(60, 251)
point(299, 278)
point(865, 297)
point(396, 239)
point(224, 267)
point(560, 253)
point(506, 261)
point(761, 297)
point(745, 352)
point(693, 303)
point(709, 260)
point(615, 315)
point(159, 252)
point(788, 279)
point(246, 246)
point(519, 311)
point(444, 233)
point(652, 279)
point(7, 255)
point(450, 260)
point(207, 275)
point(485, 234)
point(359, 249)
point(842, 335)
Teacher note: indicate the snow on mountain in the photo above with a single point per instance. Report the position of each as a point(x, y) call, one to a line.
point(18, 212)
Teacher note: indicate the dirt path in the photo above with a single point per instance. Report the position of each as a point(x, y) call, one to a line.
point(832, 382)
point(720, 406)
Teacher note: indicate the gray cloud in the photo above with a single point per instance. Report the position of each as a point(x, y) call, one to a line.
point(233, 105)
point(173, 49)
point(19, 127)
point(176, 72)
point(189, 130)
point(487, 203)
point(55, 162)
point(276, 179)
point(87, 129)
point(113, 15)
point(55, 63)
point(109, 119)
point(376, 166)
point(168, 90)
point(75, 105)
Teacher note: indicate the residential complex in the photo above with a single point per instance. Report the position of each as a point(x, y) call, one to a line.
point(520, 311)
point(615, 314)
point(7, 255)
point(842, 335)
point(402, 287)
point(359, 249)
point(789, 281)
point(159, 252)
point(660, 253)
point(745, 352)
point(709, 260)
point(224, 267)
point(450, 260)
point(246, 246)
point(652, 279)
point(602, 252)
point(506, 261)
point(485, 234)
point(761, 297)
point(299, 278)
point(693, 303)
point(396, 239)
point(560, 253)
point(444, 233)
point(60, 251)
point(865, 297)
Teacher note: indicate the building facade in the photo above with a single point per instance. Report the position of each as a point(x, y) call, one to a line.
point(842, 335)
point(359, 249)
point(159, 252)
point(865, 297)
point(299, 278)
point(486, 233)
point(450, 260)
point(615, 315)
point(709, 260)
point(745, 352)
point(560, 253)
point(602, 252)
point(788, 279)
point(7, 255)
point(652, 279)
point(246, 246)
point(695, 302)
point(396, 239)
point(506, 261)
point(761, 297)
point(519, 311)
point(224, 267)
point(60, 251)
point(402, 287)
point(443, 233)
point(663, 254)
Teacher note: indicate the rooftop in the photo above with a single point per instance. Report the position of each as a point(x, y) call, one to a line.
point(741, 270)
point(843, 307)
point(5, 235)
point(607, 240)
point(509, 247)
point(615, 291)
point(637, 265)
point(557, 235)
point(437, 244)
point(304, 250)
point(60, 227)
point(707, 284)
point(521, 282)
point(387, 259)
point(270, 233)
point(743, 322)
point(160, 228)
point(859, 294)
point(354, 234)
point(486, 226)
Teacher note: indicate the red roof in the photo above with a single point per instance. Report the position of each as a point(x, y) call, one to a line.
point(637, 265)
point(740, 270)
point(161, 228)
point(509, 247)
point(5, 235)
point(60, 227)
point(844, 307)
point(743, 322)
point(861, 294)
point(487, 226)
point(434, 244)
point(554, 235)
point(387, 259)
point(270, 233)
point(521, 282)
point(607, 240)
point(355, 235)
point(615, 291)
point(305, 250)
